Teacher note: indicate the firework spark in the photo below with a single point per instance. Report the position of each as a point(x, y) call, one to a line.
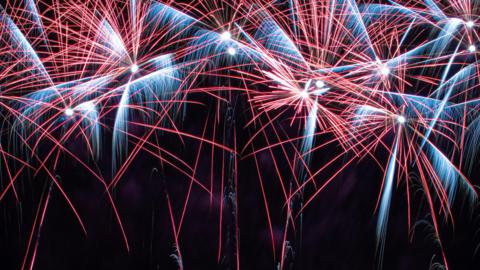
point(105, 81)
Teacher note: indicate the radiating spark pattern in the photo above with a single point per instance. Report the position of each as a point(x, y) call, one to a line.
point(392, 83)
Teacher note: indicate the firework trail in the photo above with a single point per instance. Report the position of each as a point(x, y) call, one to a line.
point(404, 90)
point(394, 83)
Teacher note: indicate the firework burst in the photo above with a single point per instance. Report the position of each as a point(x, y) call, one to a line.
point(394, 84)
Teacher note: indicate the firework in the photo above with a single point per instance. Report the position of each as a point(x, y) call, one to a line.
point(393, 84)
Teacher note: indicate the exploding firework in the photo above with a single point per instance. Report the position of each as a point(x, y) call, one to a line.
point(391, 84)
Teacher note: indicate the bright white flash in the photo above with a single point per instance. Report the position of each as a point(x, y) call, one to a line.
point(226, 35)
point(472, 48)
point(134, 68)
point(319, 84)
point(69, 112)
point(470, 24)
point(231, 51)
point(384, 70)
point(304, 94)
point(401, 119)
point(87, 106)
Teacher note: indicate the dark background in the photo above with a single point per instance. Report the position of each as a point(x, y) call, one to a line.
point(338, 232)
